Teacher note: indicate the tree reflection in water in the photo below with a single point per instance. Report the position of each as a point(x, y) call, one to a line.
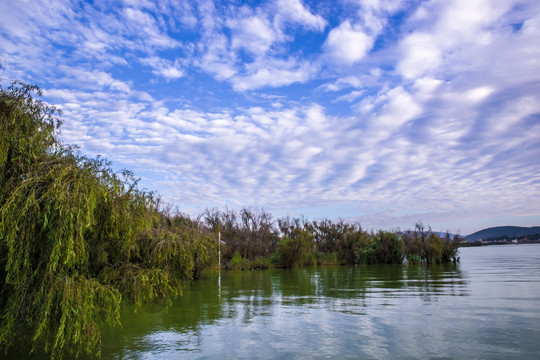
point(276, 301)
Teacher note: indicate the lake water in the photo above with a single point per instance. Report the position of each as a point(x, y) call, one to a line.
point(486, 307)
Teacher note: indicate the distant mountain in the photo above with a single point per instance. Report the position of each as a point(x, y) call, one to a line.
point(498, 231)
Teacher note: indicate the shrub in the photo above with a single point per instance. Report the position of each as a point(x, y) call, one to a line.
point(296, 250)
point(237, 261)
point(389, 249)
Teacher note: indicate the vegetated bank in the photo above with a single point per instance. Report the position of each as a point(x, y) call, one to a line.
point(77, 238)
point(252, 239)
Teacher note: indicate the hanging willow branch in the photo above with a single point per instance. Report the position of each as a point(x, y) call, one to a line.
point(76, 237)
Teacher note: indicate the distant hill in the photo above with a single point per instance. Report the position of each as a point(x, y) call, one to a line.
point(498, 231)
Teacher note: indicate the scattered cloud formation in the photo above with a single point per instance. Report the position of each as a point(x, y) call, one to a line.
point(383, 112)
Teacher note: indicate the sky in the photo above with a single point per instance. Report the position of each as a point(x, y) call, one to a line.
point(385, 113)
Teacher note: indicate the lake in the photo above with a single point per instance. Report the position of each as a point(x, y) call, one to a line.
point(485, 307)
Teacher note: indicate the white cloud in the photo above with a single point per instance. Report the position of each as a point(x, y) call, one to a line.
point(446, 29)
point(422, 55)
point(253, 56)
point(216, 58)
point(172, 72)
point(348, 43)
point(400, 107)
point(426, 87)
point(294, 11)
point(258, 32)
point(165, 68)
point(349, 97)
point(531, 27)
point(342, 83)
point(273, 73)
point(479, 93)
point(511, 114)
point(253, 34)
point(466, 21)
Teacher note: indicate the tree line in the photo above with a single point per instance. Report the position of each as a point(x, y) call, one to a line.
point(251, 238)
point(78, 238)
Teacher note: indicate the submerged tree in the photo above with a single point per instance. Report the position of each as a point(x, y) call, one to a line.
point(382, 248)
point(296, 246)
point(423, 245)
point(249, 234)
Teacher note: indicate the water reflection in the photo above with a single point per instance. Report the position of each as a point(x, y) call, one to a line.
point(281, 312)
point(487, 307)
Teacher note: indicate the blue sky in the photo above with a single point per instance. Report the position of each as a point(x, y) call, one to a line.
point(382, 112)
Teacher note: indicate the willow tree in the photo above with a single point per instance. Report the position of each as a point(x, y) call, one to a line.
point(75, 237)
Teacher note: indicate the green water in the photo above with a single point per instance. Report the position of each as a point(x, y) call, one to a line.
point(486, 307)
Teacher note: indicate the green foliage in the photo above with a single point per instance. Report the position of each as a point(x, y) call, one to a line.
point(27, 133)
point(354, 239)
point(329, 235)
point(383, 248)
point(70, 312)
point(326, 242)
point(251, 233)
point(422, 245)
point(327, 258)
point(239, 263)
point(236, 261)
point(296, 249)
point(287, 252)
point(76, 238)
point(390, 248)
point(414, 259)
point(433, 249)
point(259, 263)
point(451, 246)
point(367, 255)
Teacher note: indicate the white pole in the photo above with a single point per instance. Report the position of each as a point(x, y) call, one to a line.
point(219, 250)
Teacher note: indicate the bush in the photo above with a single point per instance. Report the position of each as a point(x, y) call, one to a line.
point(389, 249)
point(237, 261)
point(433, 249)
point(350, 244)
point(296, 250)
point(327, 258)
point(423, 245)
point(414, 259)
